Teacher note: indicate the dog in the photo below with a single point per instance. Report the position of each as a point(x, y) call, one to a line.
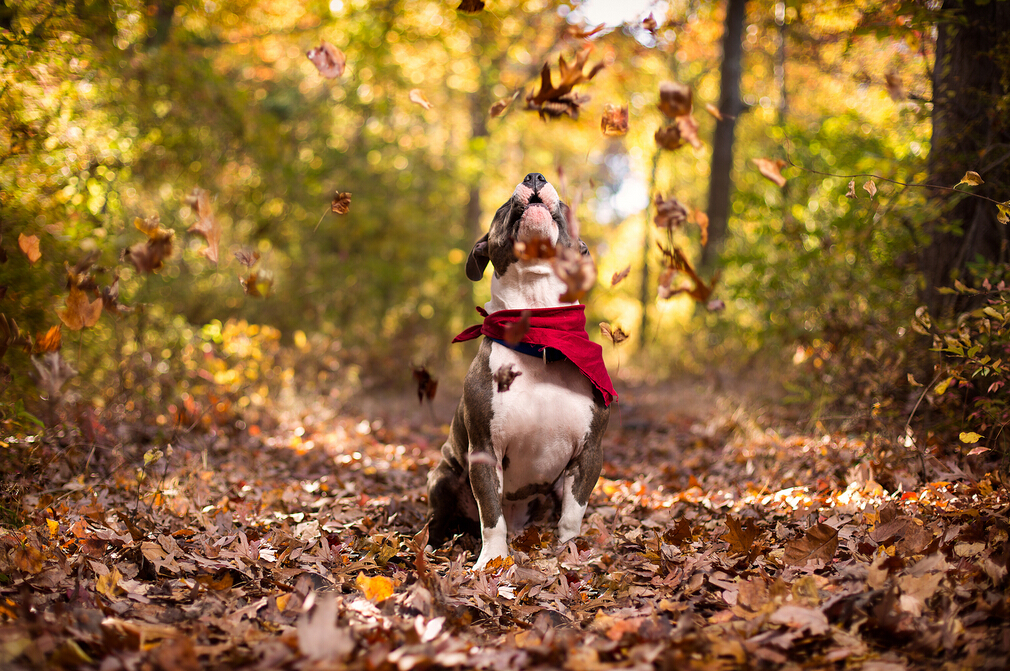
point(514, 455)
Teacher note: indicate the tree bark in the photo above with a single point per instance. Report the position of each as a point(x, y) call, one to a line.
point(730, 106)
point(969, 133)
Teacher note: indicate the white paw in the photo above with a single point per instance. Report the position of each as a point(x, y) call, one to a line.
point(489, 552)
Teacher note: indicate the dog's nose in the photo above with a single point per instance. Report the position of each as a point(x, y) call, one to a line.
point(535, 181)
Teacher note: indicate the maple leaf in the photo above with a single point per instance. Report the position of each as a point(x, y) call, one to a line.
point(416, 96)
point(619, 276)
point(675, 99)
point(206, 225)
point(556, 102)
point(426, 384)
point(670, 213)
point(247, 257)
point(818, 543)
point(771, 169)
point(53, 372)
point(329, 60)
point(615, 121)
point(341, 203)
point(578, 272)
point(971, 178)
point(615, 335)
point(80, 313)
point(504, 376)
point(870, 188)
point(740, 537)
point(377, 588)
point(258, 284)
point(29, 244)
point(514, 331)
point(471, 6)
point(499, 106)
point(50, 341)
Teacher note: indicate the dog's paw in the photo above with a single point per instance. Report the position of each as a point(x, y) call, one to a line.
point(489, 553)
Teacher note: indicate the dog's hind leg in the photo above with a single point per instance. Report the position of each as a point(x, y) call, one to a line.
point(581, 475)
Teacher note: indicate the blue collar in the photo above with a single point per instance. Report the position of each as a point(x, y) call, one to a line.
point(548, 354)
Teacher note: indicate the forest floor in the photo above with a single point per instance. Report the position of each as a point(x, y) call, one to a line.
point(720, 536)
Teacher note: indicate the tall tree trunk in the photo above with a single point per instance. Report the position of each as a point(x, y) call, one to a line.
point(970, 132)
point(730, 106)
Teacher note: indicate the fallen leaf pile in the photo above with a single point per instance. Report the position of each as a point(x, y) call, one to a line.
point(709, 542)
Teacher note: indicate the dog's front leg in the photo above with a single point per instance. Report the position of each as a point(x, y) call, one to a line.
point(486, 481)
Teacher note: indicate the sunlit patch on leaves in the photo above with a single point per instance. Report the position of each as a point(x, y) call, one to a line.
point(341, 203)
point(150, 256)
point(426, 384)
point(556, 102)
point(578, 272)
point(615, 121)
point(870, 187)
point(504, 376)
point(29, 245)
point(619, 276)
point(499, 106)
point(52, 371)
point(771, 169)
point(971, 178)
point(895, 89)
point(471, 6)
point(416, 96)
point(206, 225)
point(50, 341)
point(258, 283)
point(247, 257)
point(514, 331)
point(80, 312)
point(329, 60)
point(534, 248)
point(670, 213)
point(614, 335)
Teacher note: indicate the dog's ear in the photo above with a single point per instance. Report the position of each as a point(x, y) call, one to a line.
point(583, 247)
point(478, 260)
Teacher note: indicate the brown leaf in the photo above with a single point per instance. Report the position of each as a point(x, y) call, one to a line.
point(740, 537)
point(341, 203)
point(771, 169)
point(618, 277)
point(615, 121)
point(50, 341)
point(576, 271)
point(29, 244)
point(714, 111)
point(258, 284)
point(329, 60)
point(971, 178)
point(206, 225)
point(78, 276)
point(80, 312)
point(670, 213)
point(669, 138)
point(471, 6)
point(10, 335)
point(615, 335)
point(110, 298)
point(819, 543)
point(688, 127)
point(150, 256)
point(426, 384)
point(557, 101)
point(870, 188)
point(416, 96)
point(581, 33)
point(504, 376)
point(676, 262)
point(514, 331)
point(851, 193)
point(894, 88)
point(499, 107)
point(702, 219)
point(675, 99)
point(247, 257)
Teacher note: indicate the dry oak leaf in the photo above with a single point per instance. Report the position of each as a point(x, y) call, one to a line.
point(649, 23)
point(740, 537)
point(247, 257)
point(688, 127)
point(499, 107)
point(851, 193)
point(870, 188)
point(676, 262)
point(675, 99)
point(971, 178)
point(615, 121)
point(376, 589)
point(416, 96)
point(329, 60)
point(618, 277)
point(615, 335)
point(110, 298)
point(259, 283)
point(80, 312)
point(555, 102)
point(29, 244)
point(50, 341)
point(771, 169)
point(819, 543)
point(150, 256)
point(341, 203)
point(578, 272)
point(206, 225)
point(670, 213)
point(471, 6)
point(504, 376)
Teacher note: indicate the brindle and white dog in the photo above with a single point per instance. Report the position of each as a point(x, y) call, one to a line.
point(512, 455)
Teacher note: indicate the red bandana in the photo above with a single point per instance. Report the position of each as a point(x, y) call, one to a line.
point(562, 328)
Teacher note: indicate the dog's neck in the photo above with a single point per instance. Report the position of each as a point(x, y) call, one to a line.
point(525, 285)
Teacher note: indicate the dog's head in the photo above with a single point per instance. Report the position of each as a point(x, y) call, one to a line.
point(533, 211)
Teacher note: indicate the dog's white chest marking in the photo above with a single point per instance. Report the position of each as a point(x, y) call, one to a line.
point(526, 284)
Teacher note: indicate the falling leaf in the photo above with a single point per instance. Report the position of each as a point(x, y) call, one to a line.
point(377, 588)
point(499, 107)
point(259, 283)
point(676, 263)
point(670, 213)
point(894, 87)
point(150, 256)
point(714, 111)
point(669, 138)
point(971, 178)
point(341, 203)
point(615, 121)
point(740, 537)
point(715, 305)
point(53, 372)
point(819, 543)
point(471, 6)
point(329, 60)
point(10, 335)
point(78, 276)
point(110, 298)
point(504, 376)
point(675, 99)
point(426, 384)
point(578, 272)
point(688, 127)
point(29, 244)
point(870, 188)
point(581, 33)
point(80, 313)
point(615, 335)
point(50, 341)
point(534, 248)
point(851, 193)
point(514, 331)
point(556, 102)
point(970, 437)
point(206, 225)
point(1003, 212)
point(618, 277)
point(702, 220)
point(649, 23)
point(417, 97)
point(771, 169)
point(247, 257)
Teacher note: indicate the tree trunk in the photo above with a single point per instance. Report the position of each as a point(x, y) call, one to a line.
point(969, 133)
point(730, 106)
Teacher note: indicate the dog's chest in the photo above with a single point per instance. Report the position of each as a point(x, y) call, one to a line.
point(541, 421)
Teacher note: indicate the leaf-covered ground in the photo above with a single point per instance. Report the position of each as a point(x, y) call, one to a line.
point(713, 540)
